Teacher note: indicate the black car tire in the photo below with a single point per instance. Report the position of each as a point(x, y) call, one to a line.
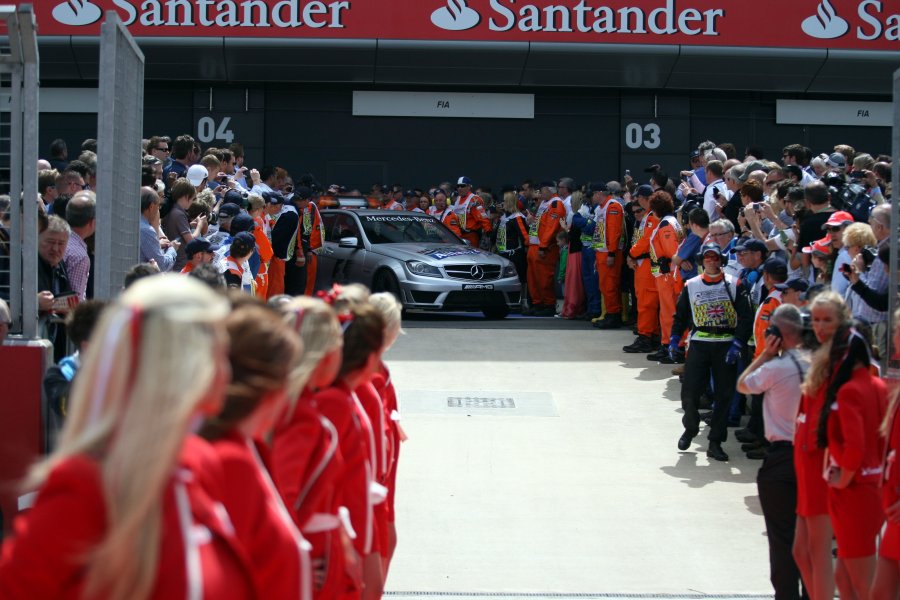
point(496, 312)
point(386, 281)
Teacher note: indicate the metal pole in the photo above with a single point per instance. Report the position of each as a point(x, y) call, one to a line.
point(18, 231)
point(893, 362)
point(29, 158)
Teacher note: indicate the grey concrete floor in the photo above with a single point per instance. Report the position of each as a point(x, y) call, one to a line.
point(596, 501)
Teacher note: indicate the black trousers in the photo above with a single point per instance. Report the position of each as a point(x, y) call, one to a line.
point(703, 358)
point(294, 278)
point(777, 486)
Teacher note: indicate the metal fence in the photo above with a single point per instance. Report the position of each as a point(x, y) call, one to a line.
point(119, 130)
point(20, 70)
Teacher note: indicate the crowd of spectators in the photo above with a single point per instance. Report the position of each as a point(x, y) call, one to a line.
point(734, 270)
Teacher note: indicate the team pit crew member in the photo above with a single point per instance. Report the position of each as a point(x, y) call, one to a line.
point(543, 252)
point(297, 234)
point(391, 199)
point(644, 284)
point(444, 213)
point(663, 246)
point(469, 209)
point(608, 243)
point(720, 318)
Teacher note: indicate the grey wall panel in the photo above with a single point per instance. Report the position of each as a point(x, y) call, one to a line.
point(450, 63)
point(57, 59)
point(599, 65)
point(757, 69)
point(184, 59)
point(280, 60)
point(854, 72)
point(86, 51)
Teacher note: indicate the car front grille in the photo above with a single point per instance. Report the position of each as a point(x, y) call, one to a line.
point(488, 272)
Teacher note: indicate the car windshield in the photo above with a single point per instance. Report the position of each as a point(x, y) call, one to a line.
point(406, 228)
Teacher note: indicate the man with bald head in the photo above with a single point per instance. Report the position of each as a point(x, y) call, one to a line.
point(81, 217)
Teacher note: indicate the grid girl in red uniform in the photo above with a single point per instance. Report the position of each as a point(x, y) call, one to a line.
point(307, 462)
point(128, 489)
point(253, 401)
point(812, 540)
point(848, 428)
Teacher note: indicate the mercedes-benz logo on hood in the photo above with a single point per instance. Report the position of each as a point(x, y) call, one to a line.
point(477, 273)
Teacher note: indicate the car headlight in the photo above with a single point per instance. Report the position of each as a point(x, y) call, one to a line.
point(510, 270)
point(417, 267)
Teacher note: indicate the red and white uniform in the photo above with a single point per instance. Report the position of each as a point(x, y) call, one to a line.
point(278, 552)
point(309, 470)
point(199, 554)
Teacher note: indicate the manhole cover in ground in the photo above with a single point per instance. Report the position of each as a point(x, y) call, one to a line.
point(477, 403)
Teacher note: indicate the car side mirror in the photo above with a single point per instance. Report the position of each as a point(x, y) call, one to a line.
point(349, 242)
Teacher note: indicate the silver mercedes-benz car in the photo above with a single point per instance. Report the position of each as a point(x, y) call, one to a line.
point(413, 256)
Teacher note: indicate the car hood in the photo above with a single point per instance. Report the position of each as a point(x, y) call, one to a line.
point(439, 253)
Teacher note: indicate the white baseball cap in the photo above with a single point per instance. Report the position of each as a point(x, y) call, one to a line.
point(196, 174)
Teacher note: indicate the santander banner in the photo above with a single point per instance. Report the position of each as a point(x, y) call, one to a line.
point(846, 24)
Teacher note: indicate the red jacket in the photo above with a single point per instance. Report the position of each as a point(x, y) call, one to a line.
point(385, 388)
point(853, 439)
point(338, 405)
point(308, 468)
point(280, 555)
point(890, 475)
point(43, 559)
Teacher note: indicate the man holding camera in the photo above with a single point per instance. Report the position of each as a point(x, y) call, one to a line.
point(716, 191)
point(777, 373)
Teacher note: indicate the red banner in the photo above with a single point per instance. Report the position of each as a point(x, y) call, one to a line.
point(846, 24)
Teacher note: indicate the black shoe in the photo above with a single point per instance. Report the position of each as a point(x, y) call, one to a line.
point(544, 311)
point(684, 442)
point(758, 454)
point(751, 446)
point(658, 356)
point(743, 435)
point(665, 359)
point(715, 452)
point(641, 345)
point(634, 330)
point(610, 322)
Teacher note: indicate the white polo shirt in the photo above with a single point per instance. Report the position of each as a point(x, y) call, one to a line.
point(780, 379)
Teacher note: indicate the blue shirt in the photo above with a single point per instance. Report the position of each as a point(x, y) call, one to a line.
point(687, 252)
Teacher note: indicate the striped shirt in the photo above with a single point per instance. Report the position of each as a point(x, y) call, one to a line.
point(78, 264)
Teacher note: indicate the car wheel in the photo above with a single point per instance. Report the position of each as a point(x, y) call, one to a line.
point(386, 281)
point(496, 312)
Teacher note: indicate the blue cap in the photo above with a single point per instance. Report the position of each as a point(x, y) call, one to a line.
point(229, 209)
point(644, 190)
point(800, 285)
point(243, 243)
point(242, 222)
point(199, 244)
point(463, 181)
point(775, 266)
point(302, 192)
point(753, 245)
point(234, 197)
point(273, 197)
point(598, 187)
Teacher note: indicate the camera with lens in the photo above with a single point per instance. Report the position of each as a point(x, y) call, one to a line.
point(869, 255)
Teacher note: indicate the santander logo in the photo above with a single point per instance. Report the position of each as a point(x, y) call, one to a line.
point(77, 12)
point(825, 24)
point(456, 16)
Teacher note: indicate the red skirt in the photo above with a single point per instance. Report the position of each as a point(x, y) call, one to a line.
point(812, 491)
point(856, 518)
point(573, 291)
point(890, 542)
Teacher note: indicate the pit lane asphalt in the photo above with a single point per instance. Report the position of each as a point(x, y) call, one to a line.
point(594, 502)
